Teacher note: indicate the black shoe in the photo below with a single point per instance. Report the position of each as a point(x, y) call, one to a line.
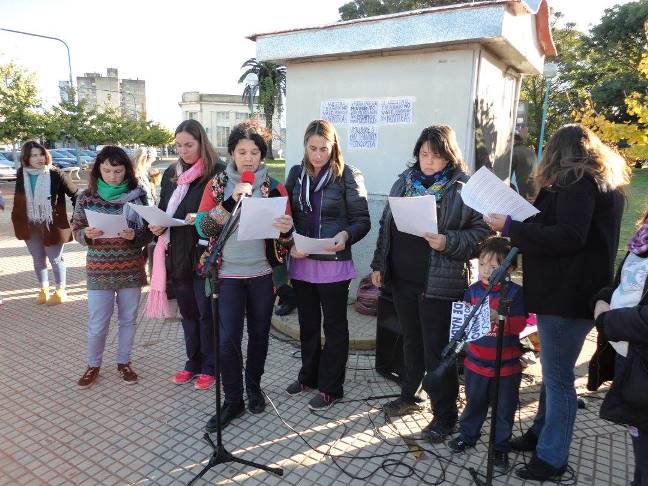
point(500, 462)
point(436, 432)
point(401, 407)
point(284, 309)
point(230, 411)
point(526, 442)
point(295, 387)
point(458, 445)
point(322, 401)
point(539, 470)
point(256, 401)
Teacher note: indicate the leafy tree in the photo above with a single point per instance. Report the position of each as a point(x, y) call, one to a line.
point(19, 118)
point(357, 9)
point(72, 120)
point(156, 135)
point(272, 88)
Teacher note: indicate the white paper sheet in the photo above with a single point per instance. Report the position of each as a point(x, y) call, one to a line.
point(257, 215)
point(488, 194)
point(110, 224)
point(479, 326)
point(528, 330)
point(414, 215)
point(313, 246)
point(154, 215)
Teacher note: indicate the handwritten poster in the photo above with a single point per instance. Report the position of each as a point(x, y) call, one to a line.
point(336, 111)
point(396, 111)
point(363, 112)
point(363, 137)
point(479, 326)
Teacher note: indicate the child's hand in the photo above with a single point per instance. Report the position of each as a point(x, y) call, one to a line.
point(93, 233)
point(494, 316)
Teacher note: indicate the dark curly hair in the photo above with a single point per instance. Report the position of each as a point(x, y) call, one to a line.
point(498, 246)
point(248, 130)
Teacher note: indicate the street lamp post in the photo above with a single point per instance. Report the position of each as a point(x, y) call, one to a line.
point(549, 72)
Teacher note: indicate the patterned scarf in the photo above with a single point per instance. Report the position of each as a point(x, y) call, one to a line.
point(157, 304)
point(638, 244)
point(416, 182)
point(39, 205)
point(323, 178)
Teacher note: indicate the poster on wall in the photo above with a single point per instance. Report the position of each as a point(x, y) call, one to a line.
point(363, 137)
point(335, 111)
point(363, 112)
point(395, 111)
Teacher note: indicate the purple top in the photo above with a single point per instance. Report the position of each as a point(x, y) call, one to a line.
point(320, 271)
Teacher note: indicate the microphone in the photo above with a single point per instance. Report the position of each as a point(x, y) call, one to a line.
point(247, 177)
point(500, 271)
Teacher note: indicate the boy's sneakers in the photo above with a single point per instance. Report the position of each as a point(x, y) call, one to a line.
point(500, 462)
point(458, 445)
point(183, 376)
point(526, 442)
point(127, 373)
point(295, 388)
point(89, 377)
point(321, 401)
point(401, 407)
point(204, 382)
point(436, 432)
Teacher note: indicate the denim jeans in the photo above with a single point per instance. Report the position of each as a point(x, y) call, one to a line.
point(101, 304)
point(561, 341)
point(40, 253)
point(250, 299)
point(195, 309)
point(640, 448)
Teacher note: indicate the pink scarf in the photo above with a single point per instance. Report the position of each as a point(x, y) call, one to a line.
point(639, 242)
point(157, 304)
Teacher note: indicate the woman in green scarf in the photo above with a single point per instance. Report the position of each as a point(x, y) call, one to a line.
point(114, 265)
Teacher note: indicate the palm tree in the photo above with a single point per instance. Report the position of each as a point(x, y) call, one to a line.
point(271, 87)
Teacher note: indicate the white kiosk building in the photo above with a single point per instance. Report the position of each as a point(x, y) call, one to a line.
point(381, 80)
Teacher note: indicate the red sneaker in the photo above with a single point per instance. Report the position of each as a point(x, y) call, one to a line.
point(183, 376)
point(204, 382)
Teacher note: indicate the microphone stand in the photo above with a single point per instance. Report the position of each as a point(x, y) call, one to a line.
point(220, 454)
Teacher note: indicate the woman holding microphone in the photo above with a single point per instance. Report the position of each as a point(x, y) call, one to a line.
point(178, 249)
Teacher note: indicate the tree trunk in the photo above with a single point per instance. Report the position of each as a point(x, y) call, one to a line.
point(268, 112)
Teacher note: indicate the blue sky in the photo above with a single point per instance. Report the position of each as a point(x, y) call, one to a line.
point(193, 45)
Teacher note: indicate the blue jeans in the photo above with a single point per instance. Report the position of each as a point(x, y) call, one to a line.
point(195, 309)
point(561, 341)
point(39, 253)
point(101, 304)
point(241, 298)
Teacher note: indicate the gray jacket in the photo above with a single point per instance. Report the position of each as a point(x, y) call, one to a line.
point(448, 270)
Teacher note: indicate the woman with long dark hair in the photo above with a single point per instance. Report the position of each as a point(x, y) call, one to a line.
point(568, 251)
point(425, 274)
point(39, 217)
point(114, 266)
point(179, 248)
point(329, 200)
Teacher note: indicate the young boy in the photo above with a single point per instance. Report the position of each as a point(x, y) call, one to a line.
point(479, 364)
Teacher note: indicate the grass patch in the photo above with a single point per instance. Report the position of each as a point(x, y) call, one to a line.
point(277, 169)
point(635, 203)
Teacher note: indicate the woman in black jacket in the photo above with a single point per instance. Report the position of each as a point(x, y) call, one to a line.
point(569, 249)
point(621, 315)
point(425, 274)
point(178, 249)
point(39, 216)
point(328, 200)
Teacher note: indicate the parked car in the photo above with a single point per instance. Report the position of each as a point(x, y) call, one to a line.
point(7, 170)
point(84, 159)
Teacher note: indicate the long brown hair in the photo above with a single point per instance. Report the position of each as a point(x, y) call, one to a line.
point(25, 152)
point(325, 129)
point(207, 152)
point(572, 152)
point(443, 141)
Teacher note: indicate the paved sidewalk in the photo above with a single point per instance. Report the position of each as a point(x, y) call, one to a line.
point(151, 433)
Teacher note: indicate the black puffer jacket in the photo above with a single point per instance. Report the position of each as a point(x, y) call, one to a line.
point(183, 252)
point(344, 208)
point(448, 271)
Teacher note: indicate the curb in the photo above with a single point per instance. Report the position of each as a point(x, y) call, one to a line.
point(356, 344)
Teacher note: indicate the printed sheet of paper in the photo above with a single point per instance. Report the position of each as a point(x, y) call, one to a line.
point(363, 137)
point(415, 215)
point(313, 246)
point(257, 215)
point(154, 215)
point(110, 224)
point(335, 111)
point(488, 194)
point(479, 326)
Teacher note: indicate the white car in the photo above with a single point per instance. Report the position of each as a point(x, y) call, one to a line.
point(7, 170)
